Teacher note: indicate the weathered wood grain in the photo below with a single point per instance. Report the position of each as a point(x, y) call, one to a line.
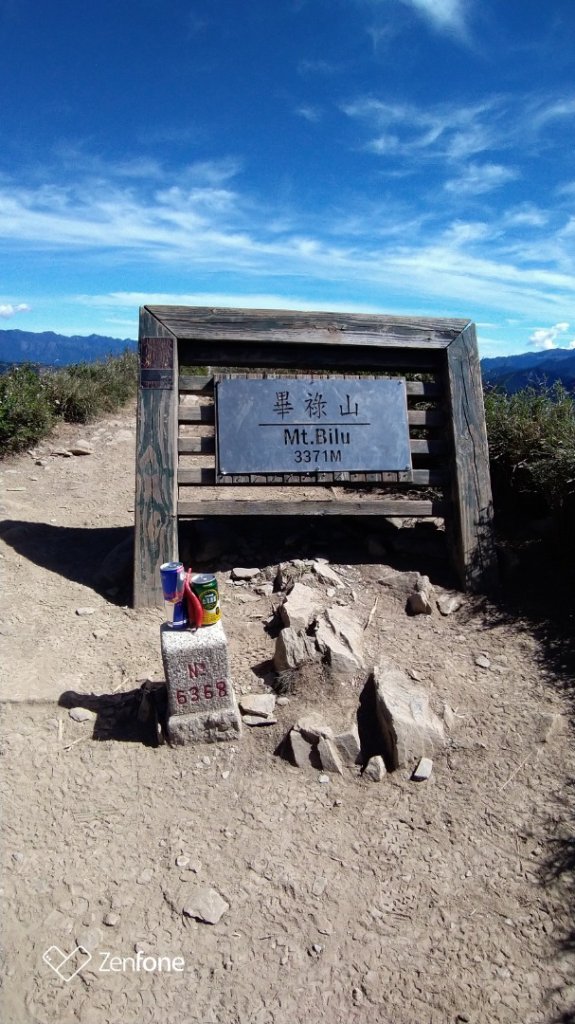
point(207, 475)
point(379, 507)
point(472, 533)
point(155, 528)
point(278, 327)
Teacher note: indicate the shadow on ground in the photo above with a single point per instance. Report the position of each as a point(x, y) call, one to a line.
point(100, 557)
point(133, 716)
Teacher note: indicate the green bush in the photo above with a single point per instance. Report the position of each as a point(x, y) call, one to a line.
point(532, 449)
point(26, 412)
point(32, 401)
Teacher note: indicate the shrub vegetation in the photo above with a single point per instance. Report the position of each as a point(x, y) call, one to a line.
point(532, 451)
point(32, 401)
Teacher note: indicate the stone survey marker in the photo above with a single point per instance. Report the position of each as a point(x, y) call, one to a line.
point(201, 701)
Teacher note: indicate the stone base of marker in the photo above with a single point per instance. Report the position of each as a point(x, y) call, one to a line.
point(202, 706)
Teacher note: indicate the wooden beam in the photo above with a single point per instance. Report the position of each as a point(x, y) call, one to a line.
point(279, 327)
point(472, 533)
point(247, 507)
point(206, 475)
point(202, 385)
point(156, 530)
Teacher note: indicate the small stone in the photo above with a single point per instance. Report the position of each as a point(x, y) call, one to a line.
point(264, 589)
point(81, 448)
point(548, 725)
point(40, 462)
point(99, 634)
point(348, 746)
point(482, 661)
point(329, 757)
point(449, 716)
point(182, 861)
point(413, 674)
point(313, 727)
point(327, 575)
point(259, 704)
point(226, 774)
point(423, 770)
point(375, 769)
point(62, 452)
point(316, 950)
point(419, 603)
point(301, 749)
point(82, 715)
point(145, 877)
point(111, 920)
point(282, 702)
point(244, 574)
point(206, 905)
point(319, 886)
point(18, 857)
point(255, 720)
point(85, 611)
point(323, 779)
point(450, 603)
point(89, 939)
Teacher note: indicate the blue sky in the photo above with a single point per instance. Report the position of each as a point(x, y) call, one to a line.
point(398, 156)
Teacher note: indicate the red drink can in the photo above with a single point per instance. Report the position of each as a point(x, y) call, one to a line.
point(173, 576)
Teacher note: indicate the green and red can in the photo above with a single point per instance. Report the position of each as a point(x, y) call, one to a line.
point(205, 587)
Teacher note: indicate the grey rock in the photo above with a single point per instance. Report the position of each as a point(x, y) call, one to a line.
point(82, 715)
point(450, 603)
point(423, 770)
point(329, 756)
point(182, 861)
point(548, 725)
point(293, 649)
point(375, 769)
point(255, 720)
point(301, 607)
point(260, 704)
point(420, 601)
point(62, 453)
point(313, 728)
point(89, 939)
point(409, 728)
point(400, 584)
point(348, 746)
point(264, 589)
point(205, 905)
point(323, 779)
point(111, 920)
point(81, 448)
point(327, 575)
point(301, 749)
point(340, 639)
point(282, 702)
point(85, 611)
point(145, 877)
point(240, 573)
point(482, 661)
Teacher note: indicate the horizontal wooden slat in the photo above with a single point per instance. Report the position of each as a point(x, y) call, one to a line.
point(196, 445)
point(207, 475)
point(421, 447)
point(195, 385)
point(381, 507)
point(196, 414)
point(206, 414)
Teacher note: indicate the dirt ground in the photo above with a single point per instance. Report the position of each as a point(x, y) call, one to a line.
point(349, 901)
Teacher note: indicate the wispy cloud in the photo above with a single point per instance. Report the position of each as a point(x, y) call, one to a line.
point(477, 179)
point(8, 309)
point(546, 337)
point(444, 15)
point(310, 113)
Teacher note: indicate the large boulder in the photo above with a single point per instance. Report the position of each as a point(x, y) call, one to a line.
point(339, 637)
point(410, 729)
point(301, 607)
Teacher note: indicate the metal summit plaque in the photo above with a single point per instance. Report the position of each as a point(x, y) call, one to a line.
point(312, 426)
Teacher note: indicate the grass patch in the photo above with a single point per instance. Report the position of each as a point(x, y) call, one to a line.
point(32, 401)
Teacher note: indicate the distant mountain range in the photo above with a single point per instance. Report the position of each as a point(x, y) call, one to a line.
point(512, 373)
point(48, 349)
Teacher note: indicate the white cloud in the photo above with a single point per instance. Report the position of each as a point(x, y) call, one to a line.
point(445, 15)
point(310, 113)
point(476, 179)
point(8, 310)
point(546, 337)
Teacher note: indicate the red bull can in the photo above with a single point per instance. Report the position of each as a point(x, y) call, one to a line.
point(173, 576)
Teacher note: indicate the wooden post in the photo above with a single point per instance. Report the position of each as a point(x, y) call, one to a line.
point(472, 530)
point(156, 524)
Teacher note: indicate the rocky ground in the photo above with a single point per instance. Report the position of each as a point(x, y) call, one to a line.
point(332, 895)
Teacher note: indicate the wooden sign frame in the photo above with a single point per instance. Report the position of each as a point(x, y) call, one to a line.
point(439, 360)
